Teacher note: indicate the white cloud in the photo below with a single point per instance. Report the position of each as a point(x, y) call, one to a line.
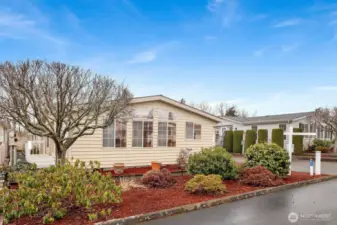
point(227, 11)
point(288, 48)
point(287, 23)
point(20, 26)
point(152, 54)
point(260, 52)
point(144, 57)
point(326, 88)
point(210, 38)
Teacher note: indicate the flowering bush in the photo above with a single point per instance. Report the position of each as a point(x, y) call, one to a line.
point(52, 192)
point(201, 184)
point(158, 179)
point(259, 176)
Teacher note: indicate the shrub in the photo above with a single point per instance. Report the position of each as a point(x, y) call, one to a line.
point(237, 141)
point(182, 159)
point(298, 141)
point(322, 149)
point(202, 184)
point(228, 140)
point(323, 143)
point(127, 184)
point(213, 161)
point(262, 136)
point(158, 179)
point(259, 176)
point(270, 156)
point(52, 192)
point(250, 138)
point(277, 137)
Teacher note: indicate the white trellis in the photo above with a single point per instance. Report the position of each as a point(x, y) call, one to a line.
point(290, 135)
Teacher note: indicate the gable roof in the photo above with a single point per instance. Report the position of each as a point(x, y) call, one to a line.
point(175, 103)
point(281, 118)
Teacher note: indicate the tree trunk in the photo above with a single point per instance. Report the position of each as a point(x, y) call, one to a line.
point(60, 155)
point(335, 146)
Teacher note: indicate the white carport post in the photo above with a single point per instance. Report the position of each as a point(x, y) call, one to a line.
point(290, 148)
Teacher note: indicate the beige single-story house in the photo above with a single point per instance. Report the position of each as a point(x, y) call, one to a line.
point(159, 128)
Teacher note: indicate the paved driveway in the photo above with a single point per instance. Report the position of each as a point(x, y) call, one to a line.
point(314, 204)
point(303, 166)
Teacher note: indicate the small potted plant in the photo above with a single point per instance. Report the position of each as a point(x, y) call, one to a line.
point(118, 168)
point(155, 165)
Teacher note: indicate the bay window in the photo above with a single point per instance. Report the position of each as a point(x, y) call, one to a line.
point(115, 135)
point(193, 131)
point(166, 134)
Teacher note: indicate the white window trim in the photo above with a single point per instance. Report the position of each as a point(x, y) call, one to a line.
point(143, 120)
point(114, 124)
point(193, 130)
point(167, 122)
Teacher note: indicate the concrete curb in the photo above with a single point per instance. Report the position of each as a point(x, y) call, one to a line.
point(210, 203)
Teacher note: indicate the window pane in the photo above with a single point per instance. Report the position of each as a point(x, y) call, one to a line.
point(148, 134)
point(197, 131)
point(162, 134)
point(171, 135)
point(137, 134)
point(121, 134)
point(189, 130)
point(109, 136)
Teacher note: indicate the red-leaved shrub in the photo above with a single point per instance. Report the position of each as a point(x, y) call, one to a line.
point(259, 176)
point(158, 179)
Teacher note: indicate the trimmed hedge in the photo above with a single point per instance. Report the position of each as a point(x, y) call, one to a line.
point(237, 141)
point(250, 138)
point(277, 137)
point(298, 141)
point(262, 136)
point(228, 140)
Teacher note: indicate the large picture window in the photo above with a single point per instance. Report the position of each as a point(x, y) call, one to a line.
point(193, 131)
point(166, 134)
point(115, 135)
point(142, 134)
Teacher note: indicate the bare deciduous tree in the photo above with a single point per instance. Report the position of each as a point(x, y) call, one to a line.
point(221, 109)
point(327, 117)
point(60, 102)
point(204, 106)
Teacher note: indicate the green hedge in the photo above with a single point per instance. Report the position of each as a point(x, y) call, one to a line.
point(277, 137)
point(298, 141)
point(237, 141)
point(262, 136)
point(250, 138)
point(228, 141)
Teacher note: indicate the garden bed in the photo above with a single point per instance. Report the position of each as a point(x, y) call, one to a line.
point(138, 171)
point(140, 201)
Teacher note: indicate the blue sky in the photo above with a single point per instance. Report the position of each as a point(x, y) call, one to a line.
point(266, 56)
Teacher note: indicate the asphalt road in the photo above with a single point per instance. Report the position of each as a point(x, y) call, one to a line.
point(314, 204)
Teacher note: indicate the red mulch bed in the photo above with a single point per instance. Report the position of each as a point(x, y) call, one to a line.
point(139, 201)
point(136, 171)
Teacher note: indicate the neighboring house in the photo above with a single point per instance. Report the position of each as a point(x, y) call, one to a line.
point(297, 120)
point(159, 128)
point(21, 137)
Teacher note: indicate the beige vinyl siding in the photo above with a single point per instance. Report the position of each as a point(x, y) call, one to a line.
point(91, 147)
